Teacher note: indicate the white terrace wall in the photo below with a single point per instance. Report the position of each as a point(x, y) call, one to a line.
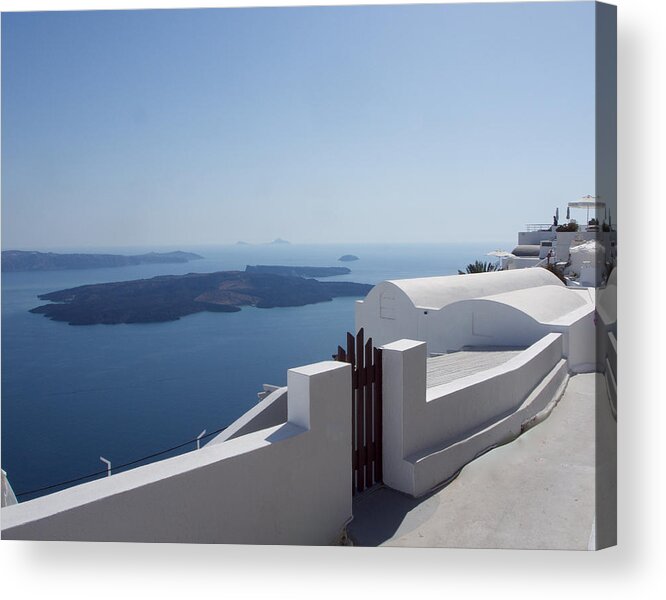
point(429, 435)
point(288, 484)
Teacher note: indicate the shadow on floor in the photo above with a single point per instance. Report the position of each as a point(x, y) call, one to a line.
point(383, 513)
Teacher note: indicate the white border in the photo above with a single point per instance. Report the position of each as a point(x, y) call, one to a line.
point(634, 569)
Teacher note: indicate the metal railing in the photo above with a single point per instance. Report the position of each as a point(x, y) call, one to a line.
point(538, 226)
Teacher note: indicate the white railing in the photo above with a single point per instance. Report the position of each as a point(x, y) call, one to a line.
point(538, 226)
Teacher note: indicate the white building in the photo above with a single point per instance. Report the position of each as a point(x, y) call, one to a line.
point(542, 243)
point(504, 308)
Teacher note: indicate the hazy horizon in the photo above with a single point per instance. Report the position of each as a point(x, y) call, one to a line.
point(339, 125)
point(492, 244)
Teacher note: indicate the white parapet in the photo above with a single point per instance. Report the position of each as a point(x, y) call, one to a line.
point(287, 484)
point(431, 433)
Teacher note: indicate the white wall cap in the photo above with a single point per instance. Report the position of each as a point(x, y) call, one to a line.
point(402, 345)
point(320, 367)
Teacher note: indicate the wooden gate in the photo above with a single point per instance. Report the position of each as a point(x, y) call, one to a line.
point(366, 399)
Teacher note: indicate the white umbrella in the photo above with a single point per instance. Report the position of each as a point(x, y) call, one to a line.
point(587, 202)
point(499, 253)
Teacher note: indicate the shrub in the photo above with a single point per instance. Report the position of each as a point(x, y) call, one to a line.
point(479, 267)
point(570, 226)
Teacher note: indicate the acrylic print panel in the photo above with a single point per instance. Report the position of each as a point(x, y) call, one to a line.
point(267, 277)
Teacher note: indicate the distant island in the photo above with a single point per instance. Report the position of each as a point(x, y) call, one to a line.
point(21, 260)
point(280, 241)
point(169, 297)
point(348, 257)
point(298, 271)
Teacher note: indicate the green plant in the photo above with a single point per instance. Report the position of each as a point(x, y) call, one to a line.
point(479, 267)
point(570, 226)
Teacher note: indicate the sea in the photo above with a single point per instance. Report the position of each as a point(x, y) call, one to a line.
point(72, 395)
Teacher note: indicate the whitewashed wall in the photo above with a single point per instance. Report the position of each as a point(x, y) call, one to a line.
point(288, 484)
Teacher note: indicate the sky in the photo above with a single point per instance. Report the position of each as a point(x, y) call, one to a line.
point(421, 123)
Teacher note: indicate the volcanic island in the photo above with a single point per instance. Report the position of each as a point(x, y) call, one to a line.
point(169, 297)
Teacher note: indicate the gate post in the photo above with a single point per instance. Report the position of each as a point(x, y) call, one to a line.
point(404, 393)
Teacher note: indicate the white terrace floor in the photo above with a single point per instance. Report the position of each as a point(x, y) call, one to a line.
point(447, 367)
point(535, 492)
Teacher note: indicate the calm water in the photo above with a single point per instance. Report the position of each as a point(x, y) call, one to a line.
point(71, 394)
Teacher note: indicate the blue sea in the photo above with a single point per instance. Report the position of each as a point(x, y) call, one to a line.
point(72, 394)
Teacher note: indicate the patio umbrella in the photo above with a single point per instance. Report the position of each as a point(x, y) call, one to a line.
point(499, 254)
point(587, 202)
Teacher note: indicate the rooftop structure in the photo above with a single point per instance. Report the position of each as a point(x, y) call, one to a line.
point(500, 308)
point(540, 244)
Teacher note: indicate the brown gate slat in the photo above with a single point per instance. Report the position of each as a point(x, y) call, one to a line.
point(351, 358)
point(360, 412)
point(367, 400)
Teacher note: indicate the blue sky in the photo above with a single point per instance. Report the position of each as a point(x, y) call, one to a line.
point(427, 123)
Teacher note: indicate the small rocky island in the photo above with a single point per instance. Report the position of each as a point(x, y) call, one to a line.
point(348, 258)
point(169, 297)
point(22, 260)
point(298, 271)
